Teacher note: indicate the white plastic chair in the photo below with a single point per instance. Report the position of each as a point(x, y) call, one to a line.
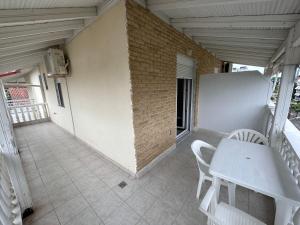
point(224, 214)
point(203, 166)
point(248, 135)
point(296, 217)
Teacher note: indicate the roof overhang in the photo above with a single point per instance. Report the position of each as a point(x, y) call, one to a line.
point(241, 31)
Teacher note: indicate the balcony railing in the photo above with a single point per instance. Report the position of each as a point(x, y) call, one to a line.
point(270, 119)
point(21, 102)
point(289, 145)
point(10, 212)
point(24, 113)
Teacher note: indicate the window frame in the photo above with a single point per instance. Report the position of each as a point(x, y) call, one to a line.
point(59, 94)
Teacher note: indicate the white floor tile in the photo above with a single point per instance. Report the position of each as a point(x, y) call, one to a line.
point(106, 205)
point(83, 186)
point(123, 215)
point(70, 209)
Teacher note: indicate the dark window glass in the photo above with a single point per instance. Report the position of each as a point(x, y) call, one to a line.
point(59, 94)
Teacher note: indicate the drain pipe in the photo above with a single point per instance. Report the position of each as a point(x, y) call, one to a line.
point(69, 99)
point(11, 73)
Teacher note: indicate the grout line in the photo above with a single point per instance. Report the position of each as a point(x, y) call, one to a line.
point(80, 193)
point(44, 187)
point(36, 136)
point(110, 189)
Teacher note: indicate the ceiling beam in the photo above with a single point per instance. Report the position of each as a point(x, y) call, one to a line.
point(241, 53)
point(20, 64)
point(11, 17)
point(279, 52)
point(22, 56)
point(36, 58)
point(238, 49)
point(239, 40)
point(243, 56)
point(22, 49)
point(196, 3)
point(296, 41)
point(238, 33)
point(30, 40)
point(254, 22)
point(35, 29)
point(240, 44)
point(243, 61)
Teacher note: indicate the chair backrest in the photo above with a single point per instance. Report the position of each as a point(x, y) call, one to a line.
point(296, 217)
point(197, 147)
point(248, 135)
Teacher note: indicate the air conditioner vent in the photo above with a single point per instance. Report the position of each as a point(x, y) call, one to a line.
point(55, 62)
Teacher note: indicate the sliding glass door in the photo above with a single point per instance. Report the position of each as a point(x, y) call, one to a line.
point(184, 94)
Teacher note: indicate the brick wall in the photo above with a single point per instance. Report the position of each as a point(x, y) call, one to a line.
point(153, 46)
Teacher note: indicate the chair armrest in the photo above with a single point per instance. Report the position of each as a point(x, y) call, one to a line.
point(210, 147)
point(204, 205)
point(215, 220)
point(205, 164)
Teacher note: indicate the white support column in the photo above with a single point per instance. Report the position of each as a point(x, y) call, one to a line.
point(286, 88)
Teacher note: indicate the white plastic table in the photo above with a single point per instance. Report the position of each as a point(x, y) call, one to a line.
point(259, 168)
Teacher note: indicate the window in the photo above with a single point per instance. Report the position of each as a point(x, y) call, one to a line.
point(59, 95)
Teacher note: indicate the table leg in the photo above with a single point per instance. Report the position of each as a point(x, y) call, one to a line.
point(231, 193)
point(284, 212)
point(216, 182)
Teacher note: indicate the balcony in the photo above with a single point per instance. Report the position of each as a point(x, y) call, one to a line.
point(100, 101)
point(72, 184)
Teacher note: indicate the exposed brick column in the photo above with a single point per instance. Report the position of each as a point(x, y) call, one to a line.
point(153, 46)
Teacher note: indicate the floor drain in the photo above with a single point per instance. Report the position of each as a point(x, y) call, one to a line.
point(122, 184)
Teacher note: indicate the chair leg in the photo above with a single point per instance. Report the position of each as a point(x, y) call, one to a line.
point(231, 193)
point(201, 180)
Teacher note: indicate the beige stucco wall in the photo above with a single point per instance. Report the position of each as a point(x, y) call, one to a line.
point(99, 89)
point(34, 92)
point(60, 115)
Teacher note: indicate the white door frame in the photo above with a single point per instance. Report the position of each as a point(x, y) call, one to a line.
point(191, 63)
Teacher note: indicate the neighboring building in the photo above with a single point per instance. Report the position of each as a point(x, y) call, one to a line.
point(297, 88)
point(241, 68)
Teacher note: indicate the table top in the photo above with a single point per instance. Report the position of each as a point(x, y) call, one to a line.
point(256, 167)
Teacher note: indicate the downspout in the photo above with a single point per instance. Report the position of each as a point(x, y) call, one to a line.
point(69, 99)
point(9, 73)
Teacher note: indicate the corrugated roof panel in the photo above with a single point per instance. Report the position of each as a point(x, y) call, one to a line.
point(252, 8)
point(21, 4)
point(191, 14)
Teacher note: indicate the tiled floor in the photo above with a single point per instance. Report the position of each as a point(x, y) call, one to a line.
point(73, 185)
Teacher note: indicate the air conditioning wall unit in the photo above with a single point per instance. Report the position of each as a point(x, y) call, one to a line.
point(55, 62)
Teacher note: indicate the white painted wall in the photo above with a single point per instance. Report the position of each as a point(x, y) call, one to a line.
point(99, 89)
point(60, 115)
point(230, 101)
